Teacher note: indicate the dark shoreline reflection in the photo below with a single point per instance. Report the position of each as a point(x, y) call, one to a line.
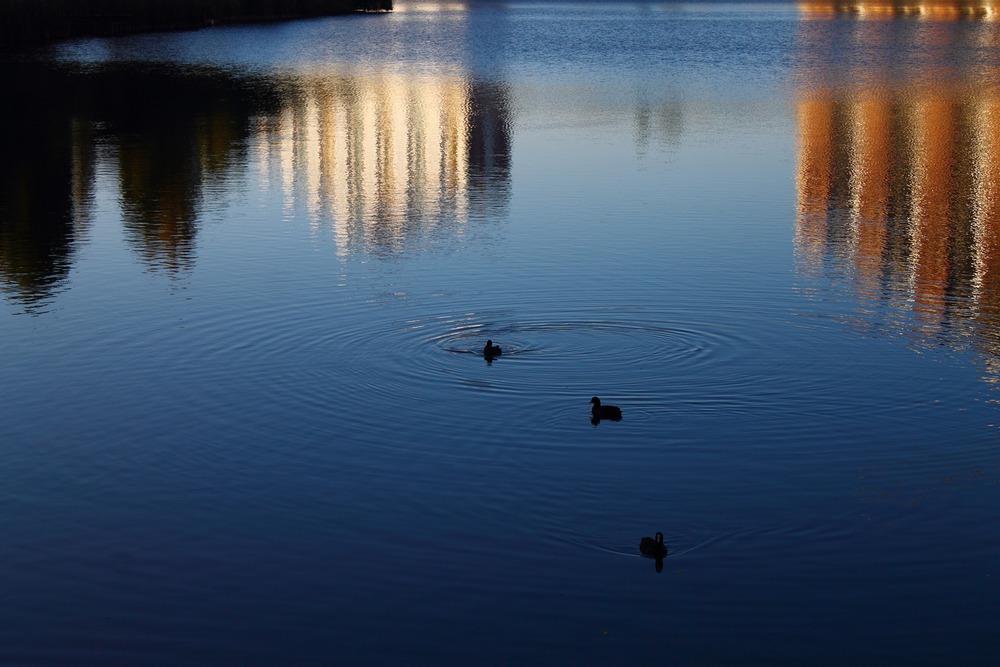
point(380, 159)
point(169, 132)
point(899, 183)
point(175, 133)
point(46, 182)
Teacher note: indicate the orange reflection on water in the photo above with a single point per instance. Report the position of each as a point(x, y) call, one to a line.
point(898, 169)
point(815, 178)
point(899, 188)
point(934, 10)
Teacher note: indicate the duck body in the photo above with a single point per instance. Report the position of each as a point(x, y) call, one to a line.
point(653, 546)
point(604, 411)
point(491, 350)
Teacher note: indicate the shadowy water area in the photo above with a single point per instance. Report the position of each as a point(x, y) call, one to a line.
point(247, 275)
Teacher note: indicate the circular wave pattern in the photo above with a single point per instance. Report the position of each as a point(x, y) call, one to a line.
point(335, 364)
point(672, 344)
point(654, 365)
point(623, 355)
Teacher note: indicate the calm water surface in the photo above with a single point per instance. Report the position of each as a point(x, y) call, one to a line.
point(247, 274)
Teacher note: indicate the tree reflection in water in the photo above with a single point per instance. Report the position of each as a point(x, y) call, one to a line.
point(419, 160)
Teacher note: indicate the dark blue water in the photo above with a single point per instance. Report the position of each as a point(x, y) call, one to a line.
point(247, 274)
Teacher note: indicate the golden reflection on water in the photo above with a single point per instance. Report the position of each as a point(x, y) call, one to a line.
point(898, 179)
point(378, 158)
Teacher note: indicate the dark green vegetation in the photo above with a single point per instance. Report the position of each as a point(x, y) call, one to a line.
point(32, 21)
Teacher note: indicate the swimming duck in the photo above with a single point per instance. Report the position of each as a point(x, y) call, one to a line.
point(653, 546)
point(604, 411)
point(491, 350)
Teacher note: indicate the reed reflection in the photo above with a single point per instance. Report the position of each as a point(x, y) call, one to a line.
point(899, 188)
point(382, 160)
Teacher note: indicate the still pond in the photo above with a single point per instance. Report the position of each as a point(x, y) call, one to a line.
point(247, 273)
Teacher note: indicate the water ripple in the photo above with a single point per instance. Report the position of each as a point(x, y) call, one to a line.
point(627, 353)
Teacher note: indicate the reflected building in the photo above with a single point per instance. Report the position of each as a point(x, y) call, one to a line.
point(381, 159)
point(898, 180)
point(662, 120)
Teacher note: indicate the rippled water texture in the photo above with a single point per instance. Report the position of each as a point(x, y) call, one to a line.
point(247, 274)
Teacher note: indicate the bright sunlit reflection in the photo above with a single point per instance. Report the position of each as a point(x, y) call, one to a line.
point(376, 158)
point(898, 179)
point(937, 10)
point(430, 7)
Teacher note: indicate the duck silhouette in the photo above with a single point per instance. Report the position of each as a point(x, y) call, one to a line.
point(600, 412)
point(491, 350)
point(653, 546)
